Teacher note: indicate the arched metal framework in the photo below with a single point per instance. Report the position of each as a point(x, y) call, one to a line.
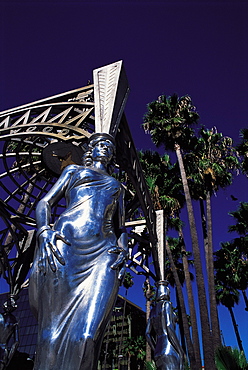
point(36, 141)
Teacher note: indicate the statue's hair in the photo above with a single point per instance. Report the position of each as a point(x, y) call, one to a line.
point(87, 158)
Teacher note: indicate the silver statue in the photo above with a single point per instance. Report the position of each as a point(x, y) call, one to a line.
point(79, 261)
point(8, 333)
point(168, 353)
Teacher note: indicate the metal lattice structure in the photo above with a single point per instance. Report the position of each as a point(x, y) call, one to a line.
point(37, 141)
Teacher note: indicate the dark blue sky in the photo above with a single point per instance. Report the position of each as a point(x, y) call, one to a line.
point(198, 48)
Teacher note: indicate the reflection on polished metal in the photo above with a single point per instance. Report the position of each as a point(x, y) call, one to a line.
point(167, 350)
point(79, 261)
point(165, 344)
point(8, 333)
point(31, 138)
point(31, 135)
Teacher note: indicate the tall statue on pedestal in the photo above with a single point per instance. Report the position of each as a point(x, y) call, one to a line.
point(161, 328)
point(168, 353)
point(79, 261)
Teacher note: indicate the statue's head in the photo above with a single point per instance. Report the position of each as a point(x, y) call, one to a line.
point(163, 292)
point(101, 147)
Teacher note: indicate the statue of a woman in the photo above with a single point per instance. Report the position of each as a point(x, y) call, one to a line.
point(160, 332)
point(79, 261)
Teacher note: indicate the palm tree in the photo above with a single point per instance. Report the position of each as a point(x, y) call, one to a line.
point(177, 278)
point(242, 148)
point(176, 224)
point(228, 264)
point(162, 178)
point(149, 293)
point(134, 348)
point(169, 121)
point(128, 281)
point(228, 358)
point(230, 269)
point(241, 245)
point(241, 219)
point(229, 296)
point(188, 277)
point(212, 162)
point(150, 365)
point(240, 275)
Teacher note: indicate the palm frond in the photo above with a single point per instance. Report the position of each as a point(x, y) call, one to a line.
point(227, 358)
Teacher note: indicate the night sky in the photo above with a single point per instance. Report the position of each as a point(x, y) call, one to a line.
point(198, 48)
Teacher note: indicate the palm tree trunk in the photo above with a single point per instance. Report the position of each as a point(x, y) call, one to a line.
point(245, 299)
point(128, 362)
point(191, 352)
point(211, 284)
point(208, 351)
point(192, 310)
point(148, 310)
point(180, 323)
point(235, 326)
point(204, 230)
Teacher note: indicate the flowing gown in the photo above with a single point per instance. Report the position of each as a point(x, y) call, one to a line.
point(73, 304)
point(167, 351)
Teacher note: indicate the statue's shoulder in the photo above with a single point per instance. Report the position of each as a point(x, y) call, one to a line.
point(116, 182)
point(72, 168)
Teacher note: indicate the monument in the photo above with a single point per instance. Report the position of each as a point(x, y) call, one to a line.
point(82, 251)
point(161, 326)
point(161, 334)
point(79, 262)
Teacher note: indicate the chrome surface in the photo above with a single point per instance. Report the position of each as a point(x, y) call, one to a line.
point(168, 353)
point(65, 121)
point(38, 139)
point(79, 262)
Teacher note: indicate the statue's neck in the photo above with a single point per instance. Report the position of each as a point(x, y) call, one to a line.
point(99, 166)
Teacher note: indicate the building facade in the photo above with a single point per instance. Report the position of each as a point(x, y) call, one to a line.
point(127, 321)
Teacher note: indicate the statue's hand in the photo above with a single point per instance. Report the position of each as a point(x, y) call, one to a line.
point(122, 250)
point(47, 241)
point(120, 262)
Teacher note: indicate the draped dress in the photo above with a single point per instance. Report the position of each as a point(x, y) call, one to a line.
point(73, 304)
point(168, 354)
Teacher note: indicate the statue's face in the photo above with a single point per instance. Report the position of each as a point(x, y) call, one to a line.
point(103, 150)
